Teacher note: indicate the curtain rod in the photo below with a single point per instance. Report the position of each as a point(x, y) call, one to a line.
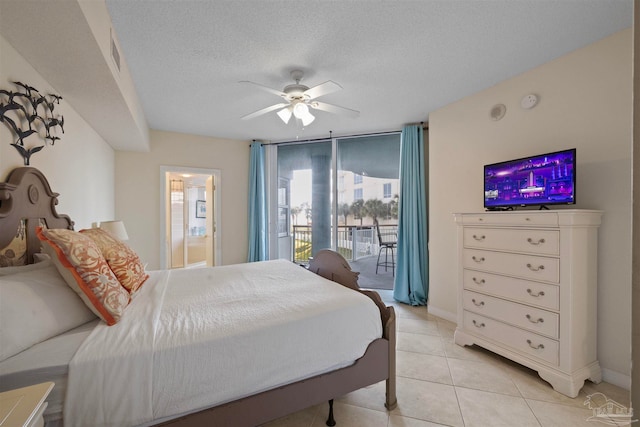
point(425, 126)
point(333, 136)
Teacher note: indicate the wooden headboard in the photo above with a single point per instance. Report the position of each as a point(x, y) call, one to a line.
point(26, 201)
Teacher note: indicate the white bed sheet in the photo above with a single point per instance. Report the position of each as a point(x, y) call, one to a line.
point(46, 361)
point(201, 337)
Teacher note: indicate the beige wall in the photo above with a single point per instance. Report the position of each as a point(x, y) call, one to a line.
point(77, 62)
point(585, 102)
point(81, 164)
point(138, 190)
point(99, 20)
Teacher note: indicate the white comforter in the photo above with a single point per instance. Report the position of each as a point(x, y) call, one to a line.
point(201, 337)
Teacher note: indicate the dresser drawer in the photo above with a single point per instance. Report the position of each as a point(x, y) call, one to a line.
point(525, 266)
point(533, 219)
point(543, 242)
point(520, 340)
point(534, 319)
point(533, 293)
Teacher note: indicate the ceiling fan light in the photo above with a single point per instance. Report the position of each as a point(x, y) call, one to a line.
point(307, 119)
point(285, 115)
point(300, 110)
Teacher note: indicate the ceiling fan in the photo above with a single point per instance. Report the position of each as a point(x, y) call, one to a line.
point(299, 98)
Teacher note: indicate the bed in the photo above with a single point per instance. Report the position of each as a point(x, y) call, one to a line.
point(240, 359)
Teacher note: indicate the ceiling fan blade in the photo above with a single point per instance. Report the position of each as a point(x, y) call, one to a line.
point(268, 89)
point(330, 108)
point(322, 89)
point(264, 111)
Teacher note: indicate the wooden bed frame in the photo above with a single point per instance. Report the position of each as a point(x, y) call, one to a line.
point(26, 196)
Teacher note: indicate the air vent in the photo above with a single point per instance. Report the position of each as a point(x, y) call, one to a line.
point(115, 54)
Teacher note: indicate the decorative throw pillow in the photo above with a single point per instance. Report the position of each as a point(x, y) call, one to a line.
point(15, 254)
point(80, 262)
point(36, 304)
point(122, 260)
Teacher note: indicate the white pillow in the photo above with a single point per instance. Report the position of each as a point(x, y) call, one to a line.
point(42, 261)
point(36, 305)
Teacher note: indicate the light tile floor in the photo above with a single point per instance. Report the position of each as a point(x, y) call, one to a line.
point(442, 384)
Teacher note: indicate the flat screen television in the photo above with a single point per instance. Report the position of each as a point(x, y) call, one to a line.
point(541, 180)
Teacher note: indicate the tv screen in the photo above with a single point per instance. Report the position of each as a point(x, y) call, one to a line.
point(545, 179)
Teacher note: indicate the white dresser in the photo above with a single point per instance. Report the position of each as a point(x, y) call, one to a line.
point(527, 290)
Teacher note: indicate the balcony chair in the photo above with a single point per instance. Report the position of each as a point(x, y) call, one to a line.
point(387, 242)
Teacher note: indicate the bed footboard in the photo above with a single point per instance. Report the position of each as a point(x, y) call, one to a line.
point(331, 265)
point(388, 316)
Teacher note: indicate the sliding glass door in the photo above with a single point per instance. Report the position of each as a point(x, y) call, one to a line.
point(336, 193)
point(367, 193)
point(304, 199)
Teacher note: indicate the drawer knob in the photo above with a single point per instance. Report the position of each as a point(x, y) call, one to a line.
point(478, 325)
point(536, 347)
point(532, 268)
point(477, 304)
point(539, 320)
point(533, 242)
point(478, 260)
point(479, 238)
point(539, 294)
point(478, 282)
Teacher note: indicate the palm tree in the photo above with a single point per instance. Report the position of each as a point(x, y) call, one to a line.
point(393, 207)
point(307, 211)
point(294, 214)
point(344, 209)
point(357, 209)
point(375, 208)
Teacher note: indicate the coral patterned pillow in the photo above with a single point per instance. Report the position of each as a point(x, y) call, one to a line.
point(122, 260)
point(80, 262)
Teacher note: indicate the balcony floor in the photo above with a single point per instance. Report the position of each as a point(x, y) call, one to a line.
point(368, 277)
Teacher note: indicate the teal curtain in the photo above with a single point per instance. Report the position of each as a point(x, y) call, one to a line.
point(258, 249)
point(411, 285)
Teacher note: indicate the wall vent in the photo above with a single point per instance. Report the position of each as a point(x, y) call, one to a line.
point(115, 54)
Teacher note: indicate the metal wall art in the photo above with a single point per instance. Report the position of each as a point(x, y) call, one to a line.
point(29, 113)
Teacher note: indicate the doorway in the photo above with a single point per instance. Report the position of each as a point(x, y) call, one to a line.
point(190, 217)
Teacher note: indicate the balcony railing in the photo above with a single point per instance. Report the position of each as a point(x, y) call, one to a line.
point(354, 241)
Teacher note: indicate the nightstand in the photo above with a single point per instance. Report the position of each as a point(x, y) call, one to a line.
point(23, 407)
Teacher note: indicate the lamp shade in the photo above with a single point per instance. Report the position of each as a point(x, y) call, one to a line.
point(116, 228)
point(307, 119)
point(301, 111)
point(284, 114)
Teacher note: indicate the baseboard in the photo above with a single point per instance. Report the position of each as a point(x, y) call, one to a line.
point(446, 315)
point(616, 378)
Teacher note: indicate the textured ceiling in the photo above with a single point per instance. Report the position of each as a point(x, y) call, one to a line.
point(396, 60)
